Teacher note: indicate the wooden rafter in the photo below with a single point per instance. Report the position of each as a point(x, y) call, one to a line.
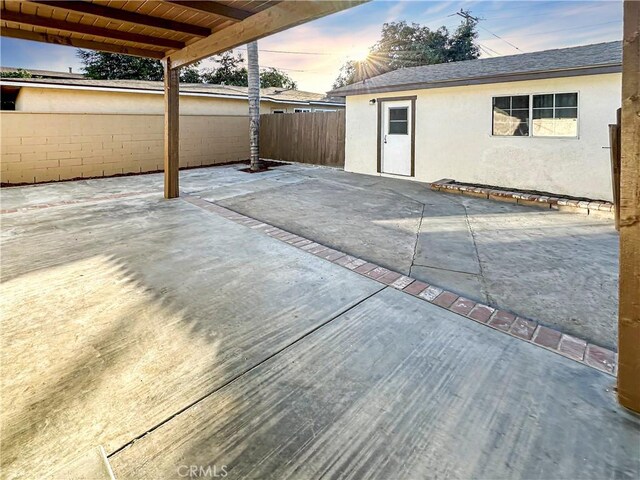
point(97, 10)
point(37, 21)
point(79, 43)
point(216, 8)
point(274, 19)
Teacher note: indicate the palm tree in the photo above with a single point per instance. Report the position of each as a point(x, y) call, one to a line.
point(254, 106)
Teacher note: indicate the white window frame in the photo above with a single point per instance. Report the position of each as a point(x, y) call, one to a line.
point(301, 110)
point(531, 95)
point(324, 110)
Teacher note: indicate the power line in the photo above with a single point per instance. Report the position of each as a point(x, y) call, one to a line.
point(497, 36)
point(490, 49)
point(485, 50)
point(469, 18)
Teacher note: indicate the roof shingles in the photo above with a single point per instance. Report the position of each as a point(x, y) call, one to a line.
point(599, 58)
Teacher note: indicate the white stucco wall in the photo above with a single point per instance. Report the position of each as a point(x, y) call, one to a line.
point(453, 137)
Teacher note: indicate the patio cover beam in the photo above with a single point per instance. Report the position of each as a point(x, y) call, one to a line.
point(279, 17)
point(79, 43)
point(126, 16)
point(629, 292)
point(207, 6)
point(38, 21)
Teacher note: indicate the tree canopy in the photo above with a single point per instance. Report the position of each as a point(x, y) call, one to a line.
point(404, 45)
point(115, 66)
point(229, 70)
point(18, 73)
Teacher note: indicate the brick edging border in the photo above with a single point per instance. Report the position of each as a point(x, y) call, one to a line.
point(598, 208)
point(524, 329)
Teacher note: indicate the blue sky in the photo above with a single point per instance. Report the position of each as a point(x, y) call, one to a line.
point(329, 42)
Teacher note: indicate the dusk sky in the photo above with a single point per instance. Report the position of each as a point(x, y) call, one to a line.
point(331, 41)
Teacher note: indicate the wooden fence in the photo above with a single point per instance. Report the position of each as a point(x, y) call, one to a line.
point(316, 138)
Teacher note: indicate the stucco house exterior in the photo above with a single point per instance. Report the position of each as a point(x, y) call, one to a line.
point(144, 97)
point(534, 121)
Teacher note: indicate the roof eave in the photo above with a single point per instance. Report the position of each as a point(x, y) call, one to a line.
point(17, 82)
point(511, 77)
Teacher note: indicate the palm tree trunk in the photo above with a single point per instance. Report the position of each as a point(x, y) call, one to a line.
point(254, 106)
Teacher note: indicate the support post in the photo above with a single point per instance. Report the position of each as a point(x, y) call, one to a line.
point(171, 129)
point(629, 293)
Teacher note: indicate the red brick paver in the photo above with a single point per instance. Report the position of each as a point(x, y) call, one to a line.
point(572, 347)
point(502, 320)
point(600, 358)
point(481, 313)
point(415, 288)
point(547, 337)
point(462, 306)
point(445, 299)
point(523, 328)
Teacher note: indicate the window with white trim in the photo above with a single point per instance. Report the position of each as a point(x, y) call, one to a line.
point(302, 110)
point(539, 115)
point(555, 115)
point(511, 116)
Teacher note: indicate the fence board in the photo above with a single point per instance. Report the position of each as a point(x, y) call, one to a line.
point(315, 138)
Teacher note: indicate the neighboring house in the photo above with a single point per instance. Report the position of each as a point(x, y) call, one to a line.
point(139, 96)
point(44, 73)
point(536, 121)
point(71, 128)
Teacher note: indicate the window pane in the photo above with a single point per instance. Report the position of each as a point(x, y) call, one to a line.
point(511, 124)
point(521, 101)
point(566, 100)
point(502, 102)
point(521, 122)
point(398, 113)
point(543, 113)
point(567, 113)
point(399, 127)
point(541, 101)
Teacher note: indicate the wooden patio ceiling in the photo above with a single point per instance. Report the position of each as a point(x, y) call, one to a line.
point(185, 30)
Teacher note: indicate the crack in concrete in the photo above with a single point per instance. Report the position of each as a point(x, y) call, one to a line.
point(475, 274)
point(415, 246)
point(488, 298)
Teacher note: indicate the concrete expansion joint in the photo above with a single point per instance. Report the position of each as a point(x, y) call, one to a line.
point(483, 280)
point(510, 323)
point(415, 246)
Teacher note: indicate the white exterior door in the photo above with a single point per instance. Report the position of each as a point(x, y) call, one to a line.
point(396, 137)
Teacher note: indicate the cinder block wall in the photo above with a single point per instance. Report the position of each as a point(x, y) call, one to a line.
point(41, 147)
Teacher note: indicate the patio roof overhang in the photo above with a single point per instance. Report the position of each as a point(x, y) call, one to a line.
point(178, 32)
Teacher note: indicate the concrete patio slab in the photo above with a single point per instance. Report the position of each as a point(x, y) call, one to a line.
point(397, 388)
point(557, 268)
point(177, 338)
point(117, 315)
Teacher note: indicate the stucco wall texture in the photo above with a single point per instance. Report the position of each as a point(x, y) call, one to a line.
point(453, 137)
point(42, 147)
point(49, 100)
